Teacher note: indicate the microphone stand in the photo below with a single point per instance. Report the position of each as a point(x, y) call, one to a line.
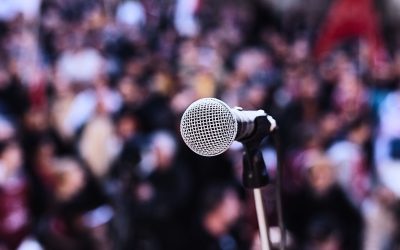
point(255, 176)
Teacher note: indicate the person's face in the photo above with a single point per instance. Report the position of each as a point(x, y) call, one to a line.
point(12, 157)
point(230, 208)
point(164, 158)
point(309, 87)
point(71, 181)
point(349, 94)
point(126, 127)
point(45, 155)
point(321, 178)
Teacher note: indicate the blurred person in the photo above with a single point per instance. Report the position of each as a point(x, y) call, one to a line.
point(74, 11)
point(14, 99)
point(233, 84)
point(219, 216)
point(388, 170)
point(131, 13)
point(260, 76)
point(278, 44)
point(59, 106)
point(300, 51)
point(248, 86)
point(167, 44)
point(382, 208)
point(294, 172)
point(127, 124)
point(77, 57)
point(329, 128)
point(388, 127)
point(138, 64)
point(50, 29)
point(189, 53)
point(123, 177)
point(15, 223)
point(132, 93)
point(156, 114)
point(182, 100)
point(76, 212)
point(71, 179)
point(286, 94)
point(29, 10)
point(350, 95)
point(85, 103)
point(212, 54)
point(319, 215)
point(394, 241)
point(163, 82)
point(253, 97)
point(332, 71)
point(204, 85)
point(98, 144)
point(37, 131)
point(350, 160)
point(202, 55)
point(161, 197)
point(185, 20)
point(24, 48)
point(303, 111)
point(381, 221)
point(41, 173)
point(237, 20)
point(250, 61)
point(35, 126)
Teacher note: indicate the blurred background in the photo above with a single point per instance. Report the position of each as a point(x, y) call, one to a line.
point(91, 95)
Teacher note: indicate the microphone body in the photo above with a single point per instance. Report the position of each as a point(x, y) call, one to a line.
point(209, 126)
point(245, 120)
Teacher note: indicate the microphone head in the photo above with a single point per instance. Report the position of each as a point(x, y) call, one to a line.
point(208, 127)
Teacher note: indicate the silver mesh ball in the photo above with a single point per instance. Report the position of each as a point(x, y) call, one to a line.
point(208, 127)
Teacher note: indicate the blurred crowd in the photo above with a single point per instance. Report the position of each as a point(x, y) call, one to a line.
point(91, 96)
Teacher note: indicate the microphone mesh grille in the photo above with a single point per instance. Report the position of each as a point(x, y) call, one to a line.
point(208, 127)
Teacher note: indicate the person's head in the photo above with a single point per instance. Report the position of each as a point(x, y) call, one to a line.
point(308, 87)
point(320, 174)
point(220, 209)
point(359, 131)
point(349, 97)
point(36, 120)
point(300, 50)
point(43, 155)
point(131, 91)
point(70, 178)
point(164, 148)
point(10, 155)
point(328, 126)
point(126, 124)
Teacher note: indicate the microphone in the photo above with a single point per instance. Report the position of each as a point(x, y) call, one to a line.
point(209, 126)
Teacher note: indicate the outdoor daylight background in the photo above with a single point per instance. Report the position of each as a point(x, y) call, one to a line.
point(91, 96)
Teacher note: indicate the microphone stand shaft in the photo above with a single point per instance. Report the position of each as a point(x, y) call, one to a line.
point(262, 221)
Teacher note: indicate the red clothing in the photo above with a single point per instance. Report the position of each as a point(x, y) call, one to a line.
point(351, 18)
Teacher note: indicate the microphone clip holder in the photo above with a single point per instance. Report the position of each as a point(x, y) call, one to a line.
point(255, 173)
